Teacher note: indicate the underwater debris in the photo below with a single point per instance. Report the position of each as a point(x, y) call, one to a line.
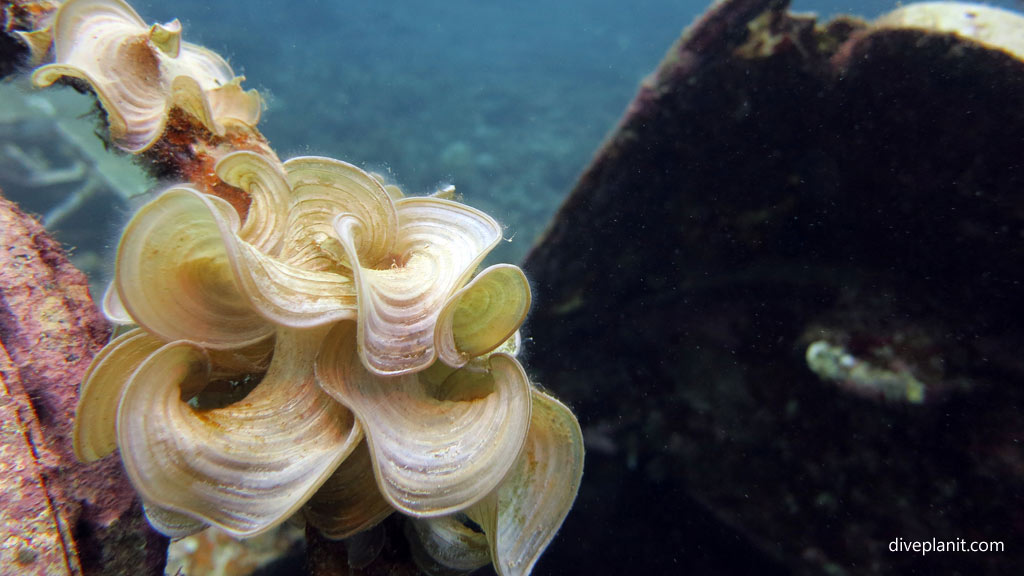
point(987, 25)
point(791, 181)
point(373, 347)
point(834, 364)
point(50, 522)
point(214, 553)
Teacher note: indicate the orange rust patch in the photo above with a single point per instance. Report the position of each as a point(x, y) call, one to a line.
point(180, 154)
point(27, 15)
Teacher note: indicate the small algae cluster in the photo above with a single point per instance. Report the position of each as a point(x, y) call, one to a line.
point(301, 340)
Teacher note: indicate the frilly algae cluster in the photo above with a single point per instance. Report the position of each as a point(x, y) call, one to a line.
point(384, 363)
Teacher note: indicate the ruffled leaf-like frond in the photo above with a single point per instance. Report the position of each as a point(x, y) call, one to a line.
point(432, 455)
point(349, 502)
point(139, 72)
point(522, 516)
point(264, 226)
point(170, 523)
point(95, 431)
point(440, 244)
point(174, 275)
point(243, 468)
point(445, 545)
point(482, 315)
point(323, 189)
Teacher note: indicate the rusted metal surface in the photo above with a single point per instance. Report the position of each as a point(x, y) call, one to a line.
point(19, 15)
point(57, 516)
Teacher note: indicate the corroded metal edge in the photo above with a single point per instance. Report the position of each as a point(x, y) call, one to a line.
point(57, 516)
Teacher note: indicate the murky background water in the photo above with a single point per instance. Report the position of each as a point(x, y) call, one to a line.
point(508, 101)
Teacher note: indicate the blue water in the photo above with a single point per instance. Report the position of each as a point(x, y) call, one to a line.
point(506, 100)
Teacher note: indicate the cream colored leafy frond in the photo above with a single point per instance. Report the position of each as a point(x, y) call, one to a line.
point(432, 454)
point(244, 468)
